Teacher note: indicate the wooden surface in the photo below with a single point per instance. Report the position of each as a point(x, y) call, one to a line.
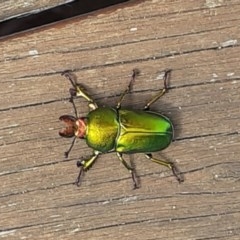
point(19, 8)
point(199, 40)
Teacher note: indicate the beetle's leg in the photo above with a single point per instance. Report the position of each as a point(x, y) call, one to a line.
point(170, 165)
point(162, 91)
point(84, 165)
point(129, 87)
point(78, 90)
point(130, 169)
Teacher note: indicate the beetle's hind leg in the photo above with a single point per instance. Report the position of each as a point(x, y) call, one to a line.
point(166, 78)
point(129, 87)
point(130, 169)
point(78, 91)
point(84, 165)
point(170, 165)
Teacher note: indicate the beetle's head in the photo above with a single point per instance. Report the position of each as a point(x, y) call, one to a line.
point(73, 126)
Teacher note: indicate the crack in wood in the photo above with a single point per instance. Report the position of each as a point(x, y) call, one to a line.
point(117, 95)
point(141, 221)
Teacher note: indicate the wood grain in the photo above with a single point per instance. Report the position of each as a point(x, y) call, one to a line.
point(16, 8)
point(199, 40)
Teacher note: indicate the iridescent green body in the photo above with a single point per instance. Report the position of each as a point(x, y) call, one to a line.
point(127, 131)
point(123, 131)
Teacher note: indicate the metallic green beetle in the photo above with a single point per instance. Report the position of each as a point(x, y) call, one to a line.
point(123, 131)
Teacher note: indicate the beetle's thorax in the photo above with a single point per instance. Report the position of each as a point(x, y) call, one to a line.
point(81, 127)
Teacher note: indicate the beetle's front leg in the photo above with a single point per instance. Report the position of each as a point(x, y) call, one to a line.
point(130, 169)
point(129, 87)
point(170, 165)
point(84, 165)
point(162, 91)
point(79, 91)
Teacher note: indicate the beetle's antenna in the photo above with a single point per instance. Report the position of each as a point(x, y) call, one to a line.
point(78, 91)
point(71, 77)
point(74, 106)
point(70, 148)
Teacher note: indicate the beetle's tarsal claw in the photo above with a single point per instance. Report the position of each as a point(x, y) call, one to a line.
point(135, 180)
point(167, 75)
point(177, 174)
point(167, 71)
point(136, 72)
point(70, 148)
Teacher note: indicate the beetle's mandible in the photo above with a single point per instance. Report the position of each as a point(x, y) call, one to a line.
point(124, 131)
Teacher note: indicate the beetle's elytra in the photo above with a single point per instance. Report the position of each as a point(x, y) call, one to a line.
point(124, 131)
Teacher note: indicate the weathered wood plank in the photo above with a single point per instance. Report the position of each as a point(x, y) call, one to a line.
point(16, 8)
point(199, 41)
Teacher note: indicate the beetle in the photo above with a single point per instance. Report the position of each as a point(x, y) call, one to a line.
point(124, 131)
